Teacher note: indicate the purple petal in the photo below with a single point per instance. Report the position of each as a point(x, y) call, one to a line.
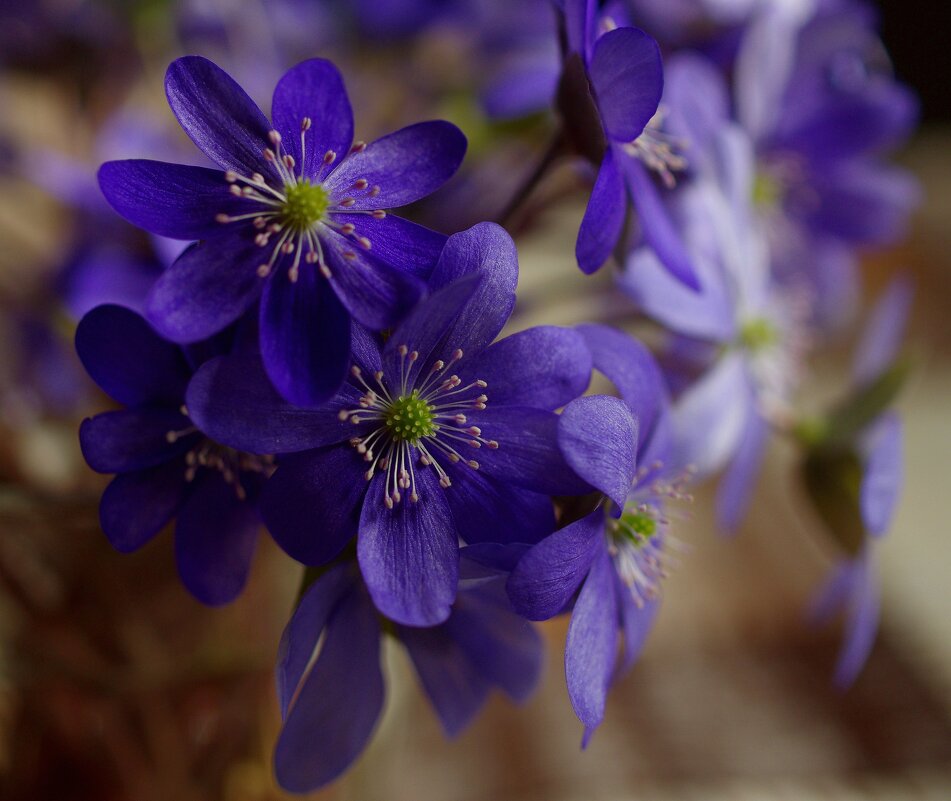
point(214, 540)
point(657, 228)
point(543, 367)
point(133, 439)
point(696, 94)
point(883, 331)
point(549, 574)
point(173, 200)
point(217, 115)
point(209, 287)
point(525, 85)
point(883, 474)
point(409, 555)
point(736, 487)
point(137, 506)
point(580, 21)
point(409, 247)
point(528, 454)
point(303, 631)
point(628, 78)
point(598, 436)
point(108, 276)
point(629, 365)
point(325, 731)
point(313, 89)
point(406, 165)
point(424, 329)
point(376, 294)
point(485, 510)
point(232, 400)
point(603, 218)
point(506, 648)
point(591, 647)
point(861, 623)
point(128, 360)
point(305, 338)
point(311, 505)
point(709, 418)
point(487, 250)
point(636, 623)
point(454, 685)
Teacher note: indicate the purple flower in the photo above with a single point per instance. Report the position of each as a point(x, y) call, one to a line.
point(759, 328)
point(438, 435)
point(331, 707)
point(166, 468)
point(855, 480)
point(297, 218)
point(608, 565)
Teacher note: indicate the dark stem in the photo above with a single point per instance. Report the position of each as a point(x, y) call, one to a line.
point(556, 148)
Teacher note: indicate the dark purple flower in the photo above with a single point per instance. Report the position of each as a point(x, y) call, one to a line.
point(862, 514)
point(166, 468)
point(297, 218)
point(607, 566)
point(438, 435)
point(330, 707)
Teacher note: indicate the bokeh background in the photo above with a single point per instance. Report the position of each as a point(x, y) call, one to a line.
point(116, 684)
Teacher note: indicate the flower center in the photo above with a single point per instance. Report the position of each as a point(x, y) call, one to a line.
point(659, 151)
point(758, 334)
point(418, 419)
point(636, 527)
point(767, 190)
point(304, 205)
point(410, 418)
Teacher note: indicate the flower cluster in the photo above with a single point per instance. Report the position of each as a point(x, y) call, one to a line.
point(322, 367)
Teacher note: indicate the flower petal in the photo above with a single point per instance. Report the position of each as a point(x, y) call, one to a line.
point(636, 623)
point(303, 631)
point(883, 331)
point(409, 555)
point(133, 439)
point(311, 505)
point(591, 647)
point(628, 78)
point(603, 217)
point(528, 454)
point(543, 367)
point(313, 89)
point(174, 200)
point(548, 575)
point(736, 487)
point(376, 294)
point(324, 732)
point(629, 365)
point(598, 436)
point(136, 506)
point(217, 114)
point(882, 475)
point(207, 288)
point(485, 249)
point(128, 360)
point(232, 400)
point(305, 338)
point(657, 227)
point(399, 243)
point(406, 165)
point(214, 540)
point(485, 510)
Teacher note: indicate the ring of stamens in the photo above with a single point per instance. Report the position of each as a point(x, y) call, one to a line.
point(294, 209)
point(425, 414)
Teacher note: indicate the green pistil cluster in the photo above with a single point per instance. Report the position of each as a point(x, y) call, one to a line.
point(767, 190)
point(305, 204)
point(758, 333)
point(636, 527)
point(410, 418)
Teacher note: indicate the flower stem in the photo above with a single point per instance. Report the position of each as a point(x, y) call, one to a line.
point(555, 149)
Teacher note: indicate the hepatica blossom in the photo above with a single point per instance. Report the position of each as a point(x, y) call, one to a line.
point(438, 435)
point(333, 642)
point(166, 467)
point(296, 217)
point(607, 566)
